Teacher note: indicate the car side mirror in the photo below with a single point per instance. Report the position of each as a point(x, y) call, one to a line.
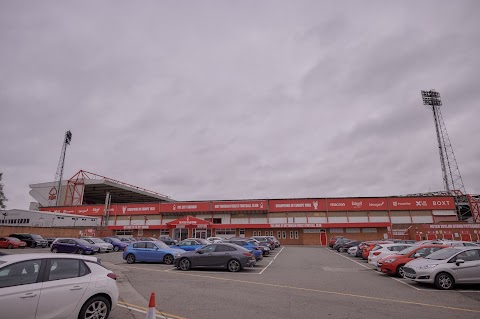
point(459, 261)
point(200, 251)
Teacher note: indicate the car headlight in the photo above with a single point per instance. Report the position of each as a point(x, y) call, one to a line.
point(176, 254)
point(428, 266)
point(388, 261)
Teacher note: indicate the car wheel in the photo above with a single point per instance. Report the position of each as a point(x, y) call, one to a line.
point(130, 258)
point(234, 265)
point(54, 250)
point(444, 281)
point(96, 307)
point(79, 251)
point(168, 259)
point(400, 271)
point(9, 246)
point(184, 264)
point(115, 248)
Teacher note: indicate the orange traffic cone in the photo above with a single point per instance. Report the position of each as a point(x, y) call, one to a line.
point(151, 312)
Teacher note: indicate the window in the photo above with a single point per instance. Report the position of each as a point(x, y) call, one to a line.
point(211, 248)
point(66, 268)
point(223, 231)
point(241, 231)
point(255, 233)
point(284, 234)
point(222, 248)
point(469, 255)
point(22, 273)
point(279, 234)
point(336, 230)
point(369, 230)
point(139, 245)
point(164, 232)
point(150, 246)
point(124, 233)
point(296, 234)
point(291, 234)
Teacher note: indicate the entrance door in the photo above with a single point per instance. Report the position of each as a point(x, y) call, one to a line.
point(200, 233)
point(448, 236)
point(431, 236)
point(180, 234)
point(466, 237)
point(323, 237)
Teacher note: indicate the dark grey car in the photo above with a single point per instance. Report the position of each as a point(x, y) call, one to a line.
point(220, 255)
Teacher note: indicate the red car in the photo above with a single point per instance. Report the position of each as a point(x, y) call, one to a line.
point(393, 264)
point(11, 242)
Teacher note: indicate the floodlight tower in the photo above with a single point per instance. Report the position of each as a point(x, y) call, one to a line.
point(452, 179)
point(61, 163)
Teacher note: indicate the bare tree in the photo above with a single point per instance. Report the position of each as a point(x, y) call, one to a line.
point(3, 199)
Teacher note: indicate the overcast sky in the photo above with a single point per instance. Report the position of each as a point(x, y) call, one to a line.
point(239, 99)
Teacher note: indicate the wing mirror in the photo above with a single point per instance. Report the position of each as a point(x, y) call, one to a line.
point(200, 251)
point(459, 261)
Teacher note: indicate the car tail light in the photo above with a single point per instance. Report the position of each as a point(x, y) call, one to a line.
point(247, 254)
point(112, 275)
point(376, 253)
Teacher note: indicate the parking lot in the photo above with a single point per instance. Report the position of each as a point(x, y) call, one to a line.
point(293, 282)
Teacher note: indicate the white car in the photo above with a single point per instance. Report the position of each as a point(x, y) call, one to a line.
point(352, 251)
point(53, 286)
point(214, 240)
point(382, 250)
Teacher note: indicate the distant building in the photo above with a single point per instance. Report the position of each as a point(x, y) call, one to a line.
point(35, 218)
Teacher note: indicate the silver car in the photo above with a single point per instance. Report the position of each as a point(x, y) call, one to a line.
point(446, 267)
point(104, 246)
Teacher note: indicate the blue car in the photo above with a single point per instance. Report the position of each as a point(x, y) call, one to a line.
point(191, 244)
point(74, 246)
point(117, 243)
point(151, 251)
point(257, 251)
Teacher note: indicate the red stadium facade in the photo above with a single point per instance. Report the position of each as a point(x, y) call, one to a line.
point(303, 221)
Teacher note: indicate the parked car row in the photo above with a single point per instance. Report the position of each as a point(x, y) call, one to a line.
point(232, 254)
point(443, 263)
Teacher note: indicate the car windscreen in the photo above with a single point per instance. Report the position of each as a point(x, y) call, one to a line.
point(36, 236)
point(161, 244)
point(407, 251)
point(443, 254)
point(97, 240)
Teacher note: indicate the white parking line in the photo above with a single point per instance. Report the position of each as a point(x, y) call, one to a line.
point(276, 255)
point(406, 283)
point(348, 259)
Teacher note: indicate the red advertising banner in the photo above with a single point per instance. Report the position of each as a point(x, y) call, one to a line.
point(137, 209)
point(185, 207)
point(296, 205)
point(356, 204)
point(451, 226)
point(63, 210)
point(421, 203)
point(96, 210)
point(240, 205)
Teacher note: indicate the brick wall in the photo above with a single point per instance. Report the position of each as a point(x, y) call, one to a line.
point(47, 232)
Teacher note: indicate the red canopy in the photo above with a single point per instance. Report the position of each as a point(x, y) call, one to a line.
point(188, 221)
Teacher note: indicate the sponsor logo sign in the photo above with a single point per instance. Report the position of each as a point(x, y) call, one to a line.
point(421, 203)
point(452, 226)
point(136, 227)
point(356, 204)
point(297, 205)
point(185, 207)
point(240, 205)
point(293, 225)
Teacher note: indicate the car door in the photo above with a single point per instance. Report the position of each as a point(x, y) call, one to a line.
point(206, 258)
point(150, 252)
point(222, 254)
point(468, 271)
point(20, 287)
point(66, 281)
point(139, 250)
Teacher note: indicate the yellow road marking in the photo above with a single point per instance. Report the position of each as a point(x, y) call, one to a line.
point(316, 290)
point(145, 308)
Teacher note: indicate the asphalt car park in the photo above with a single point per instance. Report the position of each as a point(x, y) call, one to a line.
point(293, 282)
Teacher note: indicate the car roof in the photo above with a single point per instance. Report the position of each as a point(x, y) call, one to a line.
point(22, 257)
point(395, 244)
